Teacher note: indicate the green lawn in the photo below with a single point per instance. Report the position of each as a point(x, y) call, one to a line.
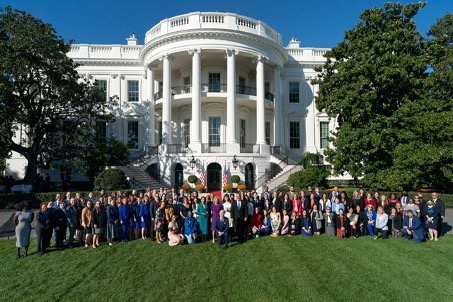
point(264, 269)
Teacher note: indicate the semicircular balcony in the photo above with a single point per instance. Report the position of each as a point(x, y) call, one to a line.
point(212, 21)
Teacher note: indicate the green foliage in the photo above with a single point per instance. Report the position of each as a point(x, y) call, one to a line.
point(313, 174)
point(112, 179)
point(235, 179)
point(394, 116)
point(192, 179)
point(116, 264)
point(102, 154)
point(38, 81)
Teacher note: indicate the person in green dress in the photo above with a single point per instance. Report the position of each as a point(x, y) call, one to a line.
point(202, 212)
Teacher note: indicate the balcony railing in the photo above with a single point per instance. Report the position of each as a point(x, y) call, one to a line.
point(208, 87)
point(221, 88)
point(176, 148)
point(213, 21)
point(207, 148)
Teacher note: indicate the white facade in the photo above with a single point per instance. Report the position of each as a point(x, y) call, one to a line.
point(211, 85)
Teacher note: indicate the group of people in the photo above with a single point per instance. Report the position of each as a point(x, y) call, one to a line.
point(178, 217)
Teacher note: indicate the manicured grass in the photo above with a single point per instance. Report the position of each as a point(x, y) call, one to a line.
point(264, 269)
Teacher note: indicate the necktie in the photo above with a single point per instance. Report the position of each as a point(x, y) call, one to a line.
point(410, 222)
point(239, 204)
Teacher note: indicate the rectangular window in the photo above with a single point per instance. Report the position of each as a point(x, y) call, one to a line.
point(214, 131)
point(214, 82)
point(132, 135)
point(241, 86)
point(186, 132)
point(102, 86)
point(159, 127)
point(267, 87)
point(294, 92)
point(101, 131)
point(242, 133)
point(187, 84)
point(294, 135)
point(324, 134)
point(267, 129)
point(132, 91)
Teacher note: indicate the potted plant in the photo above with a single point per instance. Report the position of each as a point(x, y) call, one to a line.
point(242, 187)
point(227, 188)
point(192, 179)
point(200, 188)
point(235, 179)
point(185, 187)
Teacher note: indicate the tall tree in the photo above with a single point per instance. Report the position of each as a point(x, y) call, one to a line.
point(41, 95)
point(377, 68)
point(426, 156)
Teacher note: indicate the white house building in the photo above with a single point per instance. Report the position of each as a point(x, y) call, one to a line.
point(206, 92)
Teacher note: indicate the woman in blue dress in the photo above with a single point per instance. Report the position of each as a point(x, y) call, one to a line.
point(124, 212)
point(431, 214)
point(305, 223)
point(136, 218)
point(145, 217)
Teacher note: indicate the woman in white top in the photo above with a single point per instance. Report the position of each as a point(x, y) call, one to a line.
point(227, 209)
point(381, 223)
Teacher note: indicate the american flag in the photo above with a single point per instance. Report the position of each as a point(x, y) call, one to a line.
point(203, 176)
point(225, 175)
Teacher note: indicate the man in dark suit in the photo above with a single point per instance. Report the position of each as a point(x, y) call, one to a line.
point(334, 194)
point(440, 204)
point(239, 214)
point(412, 227)
point(266, 192)
point(221, 228)
point(154, 205)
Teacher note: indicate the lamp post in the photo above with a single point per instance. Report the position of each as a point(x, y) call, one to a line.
point(192, 162)
point(235, 162)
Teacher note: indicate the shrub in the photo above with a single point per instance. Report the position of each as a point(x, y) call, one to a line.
point(235, 179)
point(308, 177)
point(113, 179)
point(192, 179)
point(227, 187)
point(185, 187)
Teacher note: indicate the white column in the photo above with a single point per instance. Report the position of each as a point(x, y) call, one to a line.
point(231, 141)
point(195, 133)
point(260, 116)
point(166, 102)
point(277, 106)
point(150, 78)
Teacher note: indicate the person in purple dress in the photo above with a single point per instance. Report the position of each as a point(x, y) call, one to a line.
point(215, 209)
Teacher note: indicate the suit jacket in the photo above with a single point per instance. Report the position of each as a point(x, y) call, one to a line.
point(222, 225)
point(338, 222)
point(239, 213)
point(440, 205)
point(278, 204)
point(297, 227)
point(287, 206)
point(416, 223)
point(153, 206)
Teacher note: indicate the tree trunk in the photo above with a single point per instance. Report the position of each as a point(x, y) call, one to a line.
point(31, 172)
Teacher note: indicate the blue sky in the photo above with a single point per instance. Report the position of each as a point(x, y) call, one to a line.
point(316, 23)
